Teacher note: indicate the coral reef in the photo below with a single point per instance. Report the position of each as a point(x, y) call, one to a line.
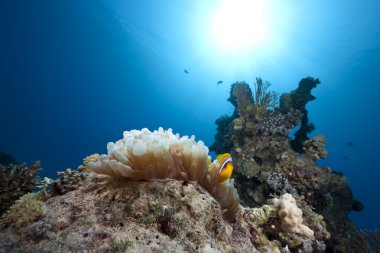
point(373, 239)
point(224, 129)
point(106, 214)
point(268, 162)
point(24, 211)
point(263, 98)
point(315, 148)
point(15, 181)
point(291, 215)
point(69, 180)
point(279, 224)
point(159, 192)
point(297, 100)
point(360, 241)
point(161, 155)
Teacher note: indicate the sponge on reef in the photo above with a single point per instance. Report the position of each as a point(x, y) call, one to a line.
point(291, 215)
point(161, 156)
point(24, 211)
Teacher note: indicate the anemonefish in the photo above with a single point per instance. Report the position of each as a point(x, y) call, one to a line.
point(226, 166)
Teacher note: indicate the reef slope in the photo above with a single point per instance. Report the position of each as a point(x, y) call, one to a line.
point(105, 214)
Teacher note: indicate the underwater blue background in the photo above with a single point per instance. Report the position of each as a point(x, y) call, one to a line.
point(75, 74)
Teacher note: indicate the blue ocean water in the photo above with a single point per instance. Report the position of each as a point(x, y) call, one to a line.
point(76, 74)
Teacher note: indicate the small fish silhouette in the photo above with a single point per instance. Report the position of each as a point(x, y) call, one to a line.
point(345, 157)
point(219, 82)
point(185, 70)
point(350, 144)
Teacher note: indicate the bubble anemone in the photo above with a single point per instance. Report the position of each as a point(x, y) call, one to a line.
point(161, 156)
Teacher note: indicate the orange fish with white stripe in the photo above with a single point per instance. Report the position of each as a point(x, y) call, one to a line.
point(225, 166)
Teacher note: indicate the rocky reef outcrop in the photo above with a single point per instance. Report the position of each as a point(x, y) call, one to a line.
point(268, 162)
point(296, 100)
point(154, 192)
point(105, 214)
point(159, 192)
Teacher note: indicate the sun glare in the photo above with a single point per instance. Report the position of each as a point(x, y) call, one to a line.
point(239, 24)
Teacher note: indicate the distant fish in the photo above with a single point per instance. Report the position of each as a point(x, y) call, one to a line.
point(226, 166)
point(185, 70)
point(345, 157)
point(219, 82)
point(350, 144)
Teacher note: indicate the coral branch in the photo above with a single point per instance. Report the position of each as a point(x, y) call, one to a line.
point(263, 99)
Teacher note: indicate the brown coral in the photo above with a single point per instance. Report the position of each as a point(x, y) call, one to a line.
point(263, 98)
point(69, 180)
point(315, 147)
point(15, 181)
